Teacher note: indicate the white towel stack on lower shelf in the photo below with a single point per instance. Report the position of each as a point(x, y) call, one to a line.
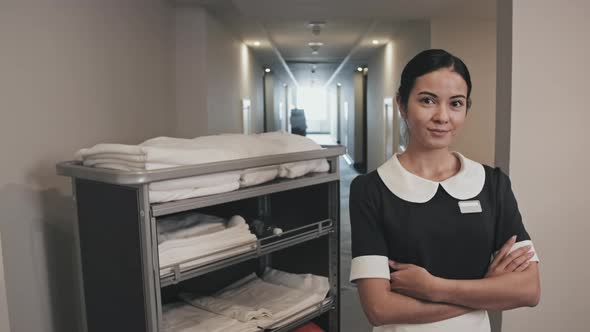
point(166, 152)
point(275, 300)
point(181, 317)
point(204, 240)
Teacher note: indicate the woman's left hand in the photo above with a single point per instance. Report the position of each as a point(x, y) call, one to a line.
point(413, 281)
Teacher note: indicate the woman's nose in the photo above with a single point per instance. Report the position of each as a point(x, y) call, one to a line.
point(441, 115)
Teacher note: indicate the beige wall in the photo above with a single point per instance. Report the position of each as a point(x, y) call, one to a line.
point(474, 41)
point(385, 67)
point(190, 71)
point(282, 99)
point(214, 70)
point(72, 75)
point(549, 156)
point(232, 74)
point(345, 78)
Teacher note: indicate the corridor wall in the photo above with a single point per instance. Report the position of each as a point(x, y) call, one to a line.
point(73, 75)
point(474, 41)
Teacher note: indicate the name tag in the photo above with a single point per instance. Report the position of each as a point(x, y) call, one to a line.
point(470, 206)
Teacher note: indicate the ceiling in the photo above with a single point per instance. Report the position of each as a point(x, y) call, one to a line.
point(282, 27)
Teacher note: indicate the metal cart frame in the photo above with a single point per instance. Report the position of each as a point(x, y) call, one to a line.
point(119, 246)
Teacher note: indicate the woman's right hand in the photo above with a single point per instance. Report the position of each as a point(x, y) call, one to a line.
point(505, 262)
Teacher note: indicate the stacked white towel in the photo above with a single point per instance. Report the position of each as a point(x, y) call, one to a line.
point(189, 224)
point(296, 143)
point(227, 308)
point(274, 300)
point(214, 241)
point(181, 317)
point(166, 152)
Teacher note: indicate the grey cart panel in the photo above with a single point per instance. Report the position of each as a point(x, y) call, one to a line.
point(109, 238)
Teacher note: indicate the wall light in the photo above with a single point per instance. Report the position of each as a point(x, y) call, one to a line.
point(359, 69)
point(375, 42)
point(256, 43)
point(267, 70)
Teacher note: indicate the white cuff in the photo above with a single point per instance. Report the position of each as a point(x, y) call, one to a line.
point(521, 244)
point(370, 266)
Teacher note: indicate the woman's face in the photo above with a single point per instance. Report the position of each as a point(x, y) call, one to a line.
point(436, 109)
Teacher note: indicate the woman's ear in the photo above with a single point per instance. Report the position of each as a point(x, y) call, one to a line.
point(401, 107)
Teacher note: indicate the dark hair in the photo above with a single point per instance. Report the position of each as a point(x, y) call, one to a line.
point(426, 62)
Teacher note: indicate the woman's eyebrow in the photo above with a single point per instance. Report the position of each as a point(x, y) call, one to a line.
point(427, 93)
point(458, 96)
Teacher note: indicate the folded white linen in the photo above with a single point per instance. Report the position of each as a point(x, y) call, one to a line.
point(192, 262)
point(181, 317)
point(82, 155)
point(179, 151)
point(174, 195)
point(125, 166)
point(260, 169)
point(300, 168)
point(198, 250)
point(176, 155)
point(296, 143)
point(226, 308)
point(293, 317)
point(118, 167)
point(91, 162)
point(250, 145)
point(290, 142)
point(254, 176)
point(235, 226)
point(194, 182)
point(134, 165)
point(165, 152)
point(189, 224)
point(282, 301)
point(304, 282)
point(120, 149)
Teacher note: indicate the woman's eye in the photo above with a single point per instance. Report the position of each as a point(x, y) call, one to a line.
point(457, 103)
point(427, 100)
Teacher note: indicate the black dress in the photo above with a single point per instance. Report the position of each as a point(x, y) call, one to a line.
point(451, 228)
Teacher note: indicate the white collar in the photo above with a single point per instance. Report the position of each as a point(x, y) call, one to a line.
point(466, 184)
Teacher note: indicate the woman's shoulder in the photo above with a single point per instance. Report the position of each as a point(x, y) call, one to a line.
point(497, 179)
point(365, 185)
point(494, 173)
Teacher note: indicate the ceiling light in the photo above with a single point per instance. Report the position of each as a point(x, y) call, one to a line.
point(315, 46)
point(316, 27)
point(375, 42)
point(256, 43)
point(267, 70)
point(359, 69)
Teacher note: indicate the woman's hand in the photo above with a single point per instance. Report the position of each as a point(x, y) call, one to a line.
point(412, 280)
point(505, 262)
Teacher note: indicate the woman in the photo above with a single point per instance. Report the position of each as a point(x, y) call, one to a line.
point(448, 227)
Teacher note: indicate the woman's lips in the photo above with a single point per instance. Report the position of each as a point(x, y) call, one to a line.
point(438, 132)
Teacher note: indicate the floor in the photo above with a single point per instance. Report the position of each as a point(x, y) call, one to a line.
point(352, 318)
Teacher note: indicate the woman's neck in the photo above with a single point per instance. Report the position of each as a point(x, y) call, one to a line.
point(436, 165)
